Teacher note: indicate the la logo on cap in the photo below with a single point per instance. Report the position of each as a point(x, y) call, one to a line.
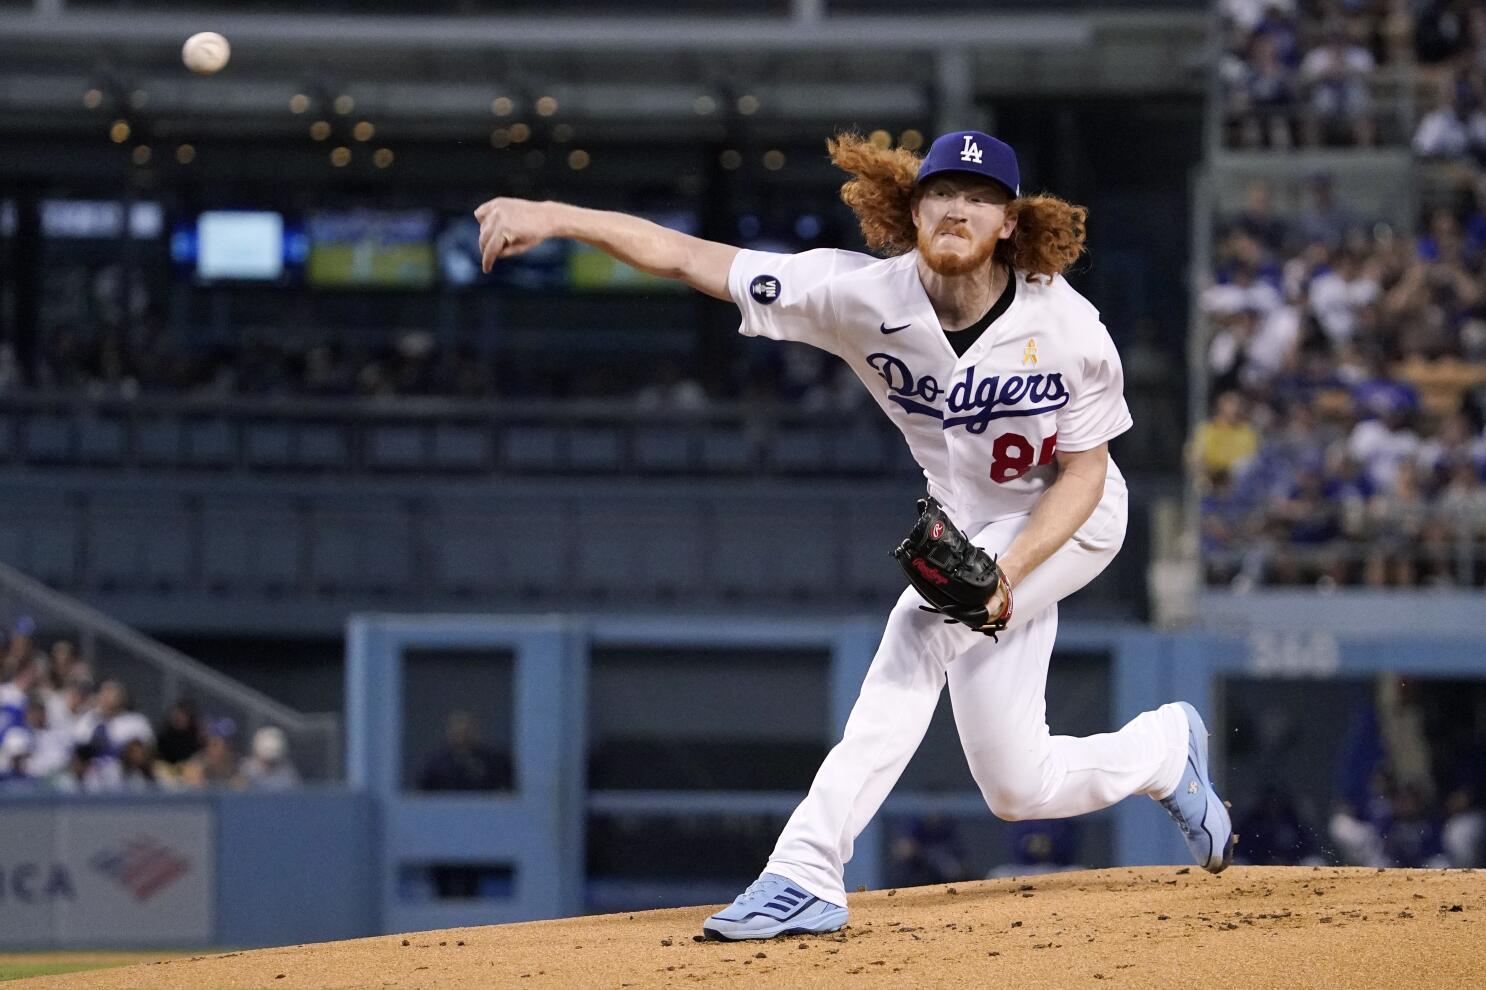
point(972, 151)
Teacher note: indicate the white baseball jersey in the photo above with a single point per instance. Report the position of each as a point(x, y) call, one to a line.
point(984, 426)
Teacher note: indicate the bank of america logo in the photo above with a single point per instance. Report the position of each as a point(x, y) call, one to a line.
point(142, 866)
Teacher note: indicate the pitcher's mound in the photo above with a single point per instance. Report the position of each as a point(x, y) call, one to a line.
point(1251, 927)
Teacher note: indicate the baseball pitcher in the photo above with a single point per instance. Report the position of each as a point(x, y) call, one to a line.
point(1008, 389)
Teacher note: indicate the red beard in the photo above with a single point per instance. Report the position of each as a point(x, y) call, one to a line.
point(948, 264)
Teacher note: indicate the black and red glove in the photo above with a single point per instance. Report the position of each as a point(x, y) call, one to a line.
point(956, 577)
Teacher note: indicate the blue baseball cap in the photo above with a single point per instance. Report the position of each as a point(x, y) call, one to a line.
point(975, 152)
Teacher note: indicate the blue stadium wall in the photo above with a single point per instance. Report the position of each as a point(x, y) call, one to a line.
point(239, 869)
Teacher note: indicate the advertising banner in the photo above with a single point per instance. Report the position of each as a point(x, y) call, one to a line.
point(96, 875)
point(31, 879)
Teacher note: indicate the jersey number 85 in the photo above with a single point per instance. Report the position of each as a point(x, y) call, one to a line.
point(1012, 456)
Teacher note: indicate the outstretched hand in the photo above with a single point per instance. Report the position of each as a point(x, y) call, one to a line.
point(509, 227)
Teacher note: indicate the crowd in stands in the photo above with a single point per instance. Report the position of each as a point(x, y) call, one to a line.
point(1347, 366)
point(1308, 73)
point(1301, 72)
point(62, 731)
point(107, 362)
point(1452, 83)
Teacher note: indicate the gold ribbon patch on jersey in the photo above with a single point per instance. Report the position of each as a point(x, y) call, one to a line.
point(1029, 353)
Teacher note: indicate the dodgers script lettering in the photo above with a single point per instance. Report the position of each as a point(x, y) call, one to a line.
point(971, 402)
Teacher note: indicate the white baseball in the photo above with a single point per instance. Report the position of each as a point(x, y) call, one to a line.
point(206, 52)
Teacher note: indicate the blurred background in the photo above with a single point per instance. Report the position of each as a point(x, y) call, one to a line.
point(346, 589)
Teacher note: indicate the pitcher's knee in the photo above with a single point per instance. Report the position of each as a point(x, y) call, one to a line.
point(1012, 803)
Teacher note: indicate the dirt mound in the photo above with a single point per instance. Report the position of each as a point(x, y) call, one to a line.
point(1252, 927)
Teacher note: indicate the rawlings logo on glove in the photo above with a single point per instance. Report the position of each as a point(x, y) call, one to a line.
point(928, 571)
point(956, 578)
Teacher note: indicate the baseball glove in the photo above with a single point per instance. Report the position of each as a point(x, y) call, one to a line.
point(953, 575)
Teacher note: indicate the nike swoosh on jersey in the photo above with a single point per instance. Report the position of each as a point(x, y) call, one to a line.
point(887, 329)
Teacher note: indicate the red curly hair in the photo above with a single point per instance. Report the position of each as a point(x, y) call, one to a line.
point(1049, 234)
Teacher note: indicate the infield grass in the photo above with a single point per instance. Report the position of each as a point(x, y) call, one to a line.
point(19, 971)
point(20, 965)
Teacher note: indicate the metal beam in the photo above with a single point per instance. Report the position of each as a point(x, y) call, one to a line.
point(599, 34)
point(235, 99)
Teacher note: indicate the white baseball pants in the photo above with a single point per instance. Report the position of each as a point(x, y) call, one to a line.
point(997, 690)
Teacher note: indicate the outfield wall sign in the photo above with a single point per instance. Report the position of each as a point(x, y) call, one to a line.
point(95, 875)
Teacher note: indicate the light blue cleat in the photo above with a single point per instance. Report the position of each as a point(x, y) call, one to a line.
point(1195, 806)
point(771, 906)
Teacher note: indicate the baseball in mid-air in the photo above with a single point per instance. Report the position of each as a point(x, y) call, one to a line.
point(206, 52)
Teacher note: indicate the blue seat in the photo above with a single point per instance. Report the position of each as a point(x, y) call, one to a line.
point(365, 545)
point(251, 544)
point(460, 447)
point(138, 544)
point(593, 448)
point(858, 448)
point(640, 548)
point(530, 447)
point(159, 441)
point(482, 546)
point(876, 526)
point(663, 448)
point(397, 447)
point(54, 542)
point(900, 459)
point(15, 541)
point(210, 443)
point(101, 441)
point(761, 559)
point(41, 540)
point(323, 445)
point(267, 444)
point(725, 449)
point(48, 439)
point(800, 449)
